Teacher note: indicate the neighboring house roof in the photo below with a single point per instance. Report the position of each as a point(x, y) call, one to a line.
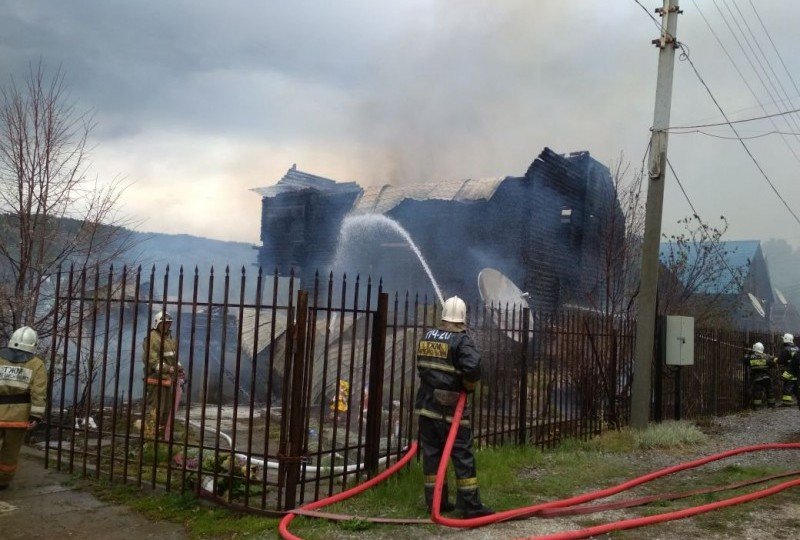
point(295, 180)
point(738, 256)
point(382, 199)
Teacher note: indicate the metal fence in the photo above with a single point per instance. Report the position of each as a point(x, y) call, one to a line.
point(717, 382)
point(294, 391)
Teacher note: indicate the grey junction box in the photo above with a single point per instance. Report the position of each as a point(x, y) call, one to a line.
point(679, 341)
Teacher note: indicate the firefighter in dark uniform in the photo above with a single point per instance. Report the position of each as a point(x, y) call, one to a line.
point(787, 360)
point(448, 363)
point(758, 365)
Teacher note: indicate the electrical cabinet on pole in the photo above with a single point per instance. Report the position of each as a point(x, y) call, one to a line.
point(648, 289)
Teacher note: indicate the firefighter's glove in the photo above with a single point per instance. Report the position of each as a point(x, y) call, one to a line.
point(33, 421)
point(469, 387)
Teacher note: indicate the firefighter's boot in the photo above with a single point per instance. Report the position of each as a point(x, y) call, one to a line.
point(468, 499)
point(446, 505)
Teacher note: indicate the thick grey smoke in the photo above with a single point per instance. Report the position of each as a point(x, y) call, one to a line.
point(196, 103)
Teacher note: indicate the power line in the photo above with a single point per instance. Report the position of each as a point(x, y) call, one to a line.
point(742, 110)
point(747, 56)
point(759, 136)
point(789, 73)
point(652, 17)
point(769, 64)
point(742, 121)
point(685, 56)
point(714, 245)
point(744, 79)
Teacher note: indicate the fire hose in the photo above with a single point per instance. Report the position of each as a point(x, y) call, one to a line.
point(602, 493)
point(564, 506)
point(283, 528)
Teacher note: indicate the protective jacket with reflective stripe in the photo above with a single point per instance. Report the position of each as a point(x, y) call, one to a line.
point(445, 361)
point(161, 355)
point(23, 384)
point(789, 358)
point(759, 363)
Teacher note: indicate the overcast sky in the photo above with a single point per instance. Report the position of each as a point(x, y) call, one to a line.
point(198, 101)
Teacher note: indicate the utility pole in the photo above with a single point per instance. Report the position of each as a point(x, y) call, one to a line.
point(648, 288)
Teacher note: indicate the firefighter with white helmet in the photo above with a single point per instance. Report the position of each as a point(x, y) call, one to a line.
point(788, 362)
point(448, 363)
point(23, 393)
point(162, 369)
point(758, 365)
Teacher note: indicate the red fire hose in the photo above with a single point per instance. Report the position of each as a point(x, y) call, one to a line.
point(563, 506)
point(283, 528)
point(571, 501)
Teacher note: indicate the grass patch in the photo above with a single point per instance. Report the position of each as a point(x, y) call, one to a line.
point(670, 434)
point(199, 520)
point(510, 477)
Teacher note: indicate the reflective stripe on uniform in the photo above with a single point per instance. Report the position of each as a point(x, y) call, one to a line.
point(169, 354)
point(437, 416)
point(786, 376)
point(430, 479)
point(439, 366)
point(436, 349)
point(4, 468)
point(467, 484)
point(15, 376)
point(787, 397)
point(162, 382)
point(37, 410)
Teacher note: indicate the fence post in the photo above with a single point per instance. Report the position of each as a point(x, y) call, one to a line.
point(715, 374)
point(522, 436)
point(658, 371)
point(377, 359)
point(297, 401)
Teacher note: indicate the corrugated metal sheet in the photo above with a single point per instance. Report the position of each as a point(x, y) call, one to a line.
point(249, 345)
point(382, 199)
point(295, 180)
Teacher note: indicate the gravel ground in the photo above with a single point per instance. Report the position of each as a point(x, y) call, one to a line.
point(773, 517)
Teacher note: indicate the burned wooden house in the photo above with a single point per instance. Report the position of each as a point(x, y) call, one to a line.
point(545, 229)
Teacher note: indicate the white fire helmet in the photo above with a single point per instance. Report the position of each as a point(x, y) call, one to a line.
point(454, 310)
point(24, 339)
point(161, 316)
point(788, 338)
point(758, 347)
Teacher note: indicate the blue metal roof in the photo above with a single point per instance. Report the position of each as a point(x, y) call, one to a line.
point(738, 256)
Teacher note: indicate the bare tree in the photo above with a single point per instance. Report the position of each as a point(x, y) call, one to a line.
point(612, 298)
point(619, 244)
point(696, 278)
point(51, 212)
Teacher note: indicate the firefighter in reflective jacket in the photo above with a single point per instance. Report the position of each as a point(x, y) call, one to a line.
point(758, 365)
point(160, 358)
point(23, 391)
point(448, 363)
point(787, 360)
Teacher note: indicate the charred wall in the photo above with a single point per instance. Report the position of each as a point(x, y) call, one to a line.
point(300, 230)
point(542, 230)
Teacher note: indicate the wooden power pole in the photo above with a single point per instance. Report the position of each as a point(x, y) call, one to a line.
point(648, 289)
